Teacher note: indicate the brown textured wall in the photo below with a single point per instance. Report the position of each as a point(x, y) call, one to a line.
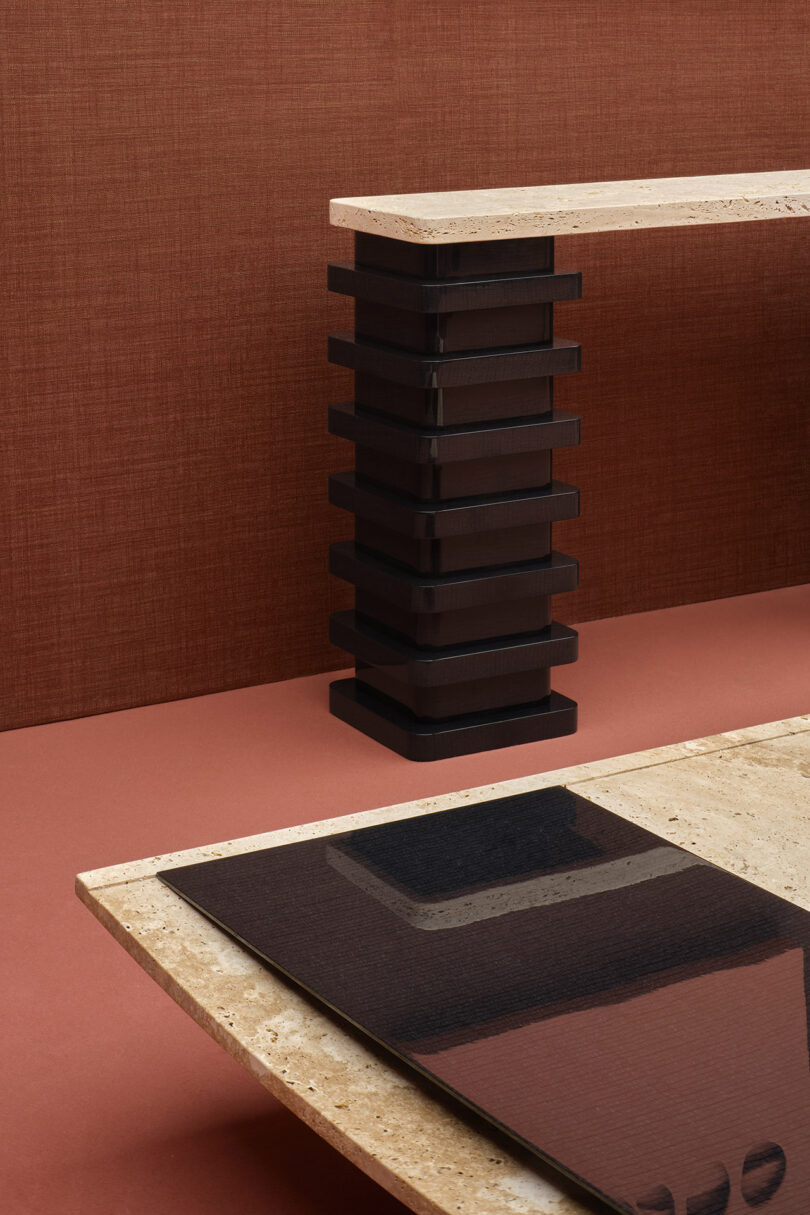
point(164, 447)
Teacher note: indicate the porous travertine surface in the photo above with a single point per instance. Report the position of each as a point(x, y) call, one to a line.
point(739, 800)
point(596, 206)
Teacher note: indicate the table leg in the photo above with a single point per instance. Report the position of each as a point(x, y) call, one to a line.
point(453, 423)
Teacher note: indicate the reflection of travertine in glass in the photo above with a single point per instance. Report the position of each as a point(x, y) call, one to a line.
point(661, 1089)
point(540, 891)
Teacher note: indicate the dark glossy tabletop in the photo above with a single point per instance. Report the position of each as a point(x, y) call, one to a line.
point(631, 1013)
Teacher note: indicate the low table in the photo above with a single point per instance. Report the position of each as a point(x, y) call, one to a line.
point(738, 799)
point(454, 354)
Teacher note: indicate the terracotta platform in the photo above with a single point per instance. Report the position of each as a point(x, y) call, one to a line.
point(116, 1101)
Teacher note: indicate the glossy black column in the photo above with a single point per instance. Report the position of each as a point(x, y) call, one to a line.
point(453, 423)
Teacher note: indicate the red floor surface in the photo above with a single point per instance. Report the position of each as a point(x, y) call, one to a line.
point(114, 1101)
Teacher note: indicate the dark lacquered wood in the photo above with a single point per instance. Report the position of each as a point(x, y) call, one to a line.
point(463, 625)
point(472, 696)
point(453, 352)
point(427, 593)
point(454, 609)
point(454, 260)
point(442, 444)
point(452, 332)
point(434, 481)
point(551, 646)
point(422, 740)
point(456, 517)
point(418, 370)
point(485, 291)
point(450, 554)
point(434, 405)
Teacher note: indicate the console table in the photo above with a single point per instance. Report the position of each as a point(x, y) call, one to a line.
point(454, 356)
point(737, 799)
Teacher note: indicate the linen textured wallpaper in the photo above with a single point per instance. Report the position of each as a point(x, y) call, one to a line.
point(164, 449)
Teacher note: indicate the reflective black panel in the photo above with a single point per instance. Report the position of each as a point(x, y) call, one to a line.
point(632, 1014)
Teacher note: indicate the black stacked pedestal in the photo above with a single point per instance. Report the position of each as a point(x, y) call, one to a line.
point(453, 424)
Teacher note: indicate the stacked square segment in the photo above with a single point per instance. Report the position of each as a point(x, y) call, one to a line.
point(454, 355)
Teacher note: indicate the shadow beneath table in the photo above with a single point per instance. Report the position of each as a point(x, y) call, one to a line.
point(270, 1165)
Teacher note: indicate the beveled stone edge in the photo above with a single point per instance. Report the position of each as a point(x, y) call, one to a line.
point(575, 208)
point(304, 1082)
point(96, 879)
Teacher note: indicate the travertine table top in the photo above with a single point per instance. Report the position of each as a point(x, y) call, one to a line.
point(741, 800)
point(602, 206)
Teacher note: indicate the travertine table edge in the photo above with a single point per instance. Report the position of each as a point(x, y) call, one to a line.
point(453, 496)
point(371, 1110)
point(577, 208)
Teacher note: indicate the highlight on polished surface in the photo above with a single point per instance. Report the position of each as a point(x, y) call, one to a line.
point(560, 210)
point(634, 1015)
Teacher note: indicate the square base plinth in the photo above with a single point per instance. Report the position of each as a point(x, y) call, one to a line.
point(382, 720)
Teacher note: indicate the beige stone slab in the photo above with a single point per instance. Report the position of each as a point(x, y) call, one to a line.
point(604, 206)
point(131, 870)
point(746, 809)
point(741, 800)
